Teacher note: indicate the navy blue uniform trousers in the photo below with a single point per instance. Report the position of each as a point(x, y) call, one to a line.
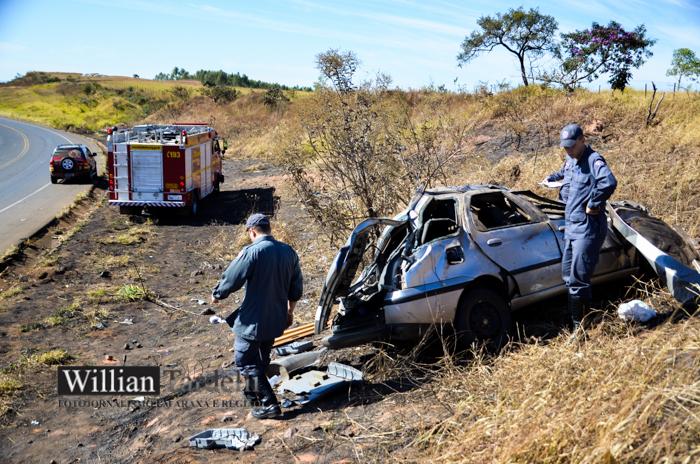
point(579, 260)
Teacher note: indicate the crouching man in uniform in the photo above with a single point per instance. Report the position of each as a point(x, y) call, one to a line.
point(271, 273)
point(591, 184)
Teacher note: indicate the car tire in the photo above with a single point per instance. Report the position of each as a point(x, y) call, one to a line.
point(67, 164)
point(482, 317)
point(54, 179)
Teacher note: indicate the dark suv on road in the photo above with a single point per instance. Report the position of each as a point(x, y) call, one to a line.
point(69, 161)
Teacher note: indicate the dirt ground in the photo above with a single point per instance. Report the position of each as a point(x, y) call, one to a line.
point(69, 299)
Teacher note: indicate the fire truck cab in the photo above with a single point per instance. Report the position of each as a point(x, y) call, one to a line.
point(163, 166)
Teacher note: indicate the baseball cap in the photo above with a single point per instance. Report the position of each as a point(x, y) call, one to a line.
point(569, 135)
point(257, 219)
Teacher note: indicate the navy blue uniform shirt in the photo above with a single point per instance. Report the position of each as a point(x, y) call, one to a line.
point(564, 175)
point(592, 183)
point(271, 273)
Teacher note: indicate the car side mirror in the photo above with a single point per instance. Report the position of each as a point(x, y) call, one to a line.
point(92, 154)
point(455, 255)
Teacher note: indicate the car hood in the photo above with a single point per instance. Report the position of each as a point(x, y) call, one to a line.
point(342, 272)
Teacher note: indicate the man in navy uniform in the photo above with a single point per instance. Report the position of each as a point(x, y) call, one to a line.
point(271, 273)
point(591, 184)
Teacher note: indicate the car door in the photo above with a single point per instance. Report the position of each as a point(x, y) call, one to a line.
point(345, 265)
point(518, 238)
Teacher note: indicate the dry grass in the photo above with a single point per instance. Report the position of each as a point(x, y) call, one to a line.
point(130, 292)
point(135, 235)
point(63, 315)
point(50, 358)
point(621, 398)
point(101, 294)
point(11, 292)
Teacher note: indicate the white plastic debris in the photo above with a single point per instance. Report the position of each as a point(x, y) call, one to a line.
point(35, 422)
point(636, 310)
point(216, 320)
point(127, 321)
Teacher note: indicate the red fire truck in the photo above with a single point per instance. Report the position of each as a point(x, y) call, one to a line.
point(163, 166)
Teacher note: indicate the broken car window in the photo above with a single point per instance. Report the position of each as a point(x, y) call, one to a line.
point(494, 210)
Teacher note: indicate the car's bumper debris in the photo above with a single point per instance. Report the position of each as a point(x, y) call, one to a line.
point(682, 281)
point(314, 384)
point(238, 439)
point(281, 369)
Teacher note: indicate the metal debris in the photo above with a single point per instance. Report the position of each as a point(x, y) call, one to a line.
point(312, 385)
point(238, 439)
point(294, 348)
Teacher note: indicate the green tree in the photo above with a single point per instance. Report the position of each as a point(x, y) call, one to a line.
point(522, 33)
point(684, 64)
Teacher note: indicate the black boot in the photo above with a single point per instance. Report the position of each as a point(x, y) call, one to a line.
point(250, 391)
point(269, 406)
point(575, 305)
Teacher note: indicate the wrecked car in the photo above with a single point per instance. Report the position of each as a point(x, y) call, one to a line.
point(469, 256)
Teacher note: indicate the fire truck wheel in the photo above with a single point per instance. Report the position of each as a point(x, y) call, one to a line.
point(194, 207)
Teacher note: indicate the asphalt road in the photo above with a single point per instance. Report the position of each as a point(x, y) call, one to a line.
point(28, 200)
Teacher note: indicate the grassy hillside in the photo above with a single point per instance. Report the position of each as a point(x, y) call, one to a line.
point(90, 103)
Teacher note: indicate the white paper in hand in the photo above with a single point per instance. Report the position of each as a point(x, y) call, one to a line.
point(551, 184)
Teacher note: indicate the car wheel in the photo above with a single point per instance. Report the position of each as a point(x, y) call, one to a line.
point(54, 179)
point(482, 317)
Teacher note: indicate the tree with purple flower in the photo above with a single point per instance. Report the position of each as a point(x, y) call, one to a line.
point(590, 53)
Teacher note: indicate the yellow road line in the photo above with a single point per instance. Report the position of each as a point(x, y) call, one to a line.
point(24, 150)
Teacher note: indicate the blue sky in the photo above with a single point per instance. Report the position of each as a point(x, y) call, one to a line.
point(415, 42)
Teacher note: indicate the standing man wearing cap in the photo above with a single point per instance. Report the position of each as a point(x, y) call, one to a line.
point(271, 273)
point(591, 184)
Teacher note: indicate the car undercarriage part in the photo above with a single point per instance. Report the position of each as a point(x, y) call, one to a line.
point(238, 439)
